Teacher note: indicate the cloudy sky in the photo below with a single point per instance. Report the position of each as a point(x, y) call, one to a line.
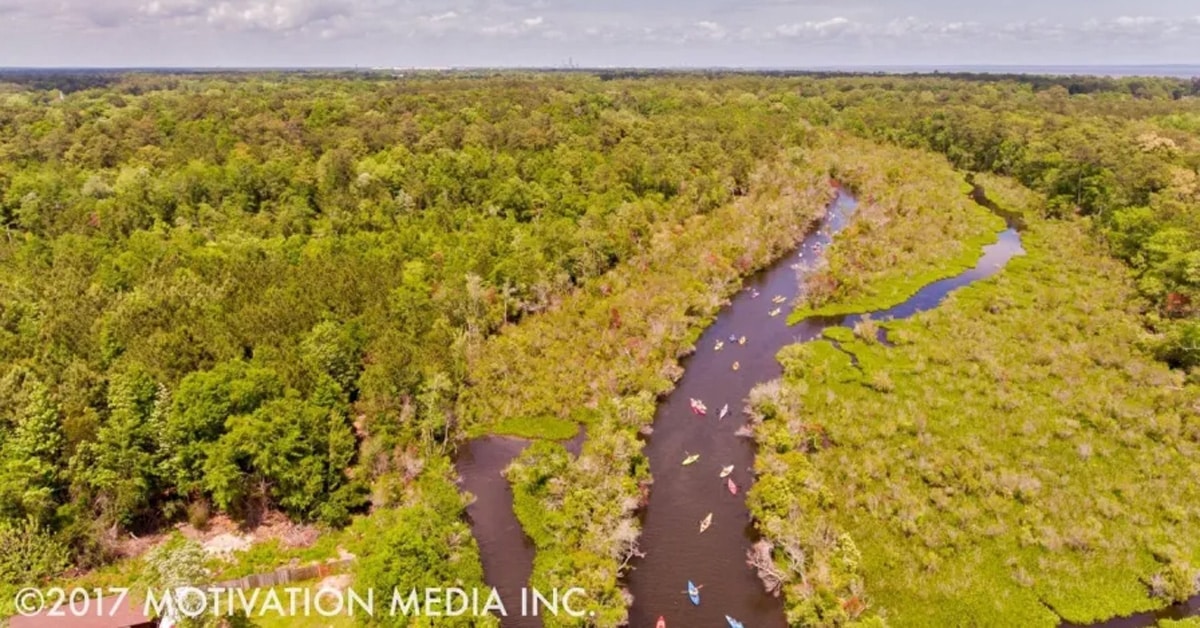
point(759, 33)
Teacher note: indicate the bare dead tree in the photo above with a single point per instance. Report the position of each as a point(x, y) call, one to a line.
point(759, 557)
point(796, 560)
point(630, 554)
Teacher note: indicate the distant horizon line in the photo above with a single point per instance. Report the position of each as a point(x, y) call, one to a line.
point(1188, 69)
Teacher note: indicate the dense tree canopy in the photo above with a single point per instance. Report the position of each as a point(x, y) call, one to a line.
point(298, 292)
point(264, 292)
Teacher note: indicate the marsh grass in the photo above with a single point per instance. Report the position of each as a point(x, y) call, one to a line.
point(1015, 457)
point(914, 225)
point(548, 428)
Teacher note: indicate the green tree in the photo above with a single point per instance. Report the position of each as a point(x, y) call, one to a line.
point(423, 545)
point(30, 461)
point(289, 452)
point(336, 351)
point(120, 471)
point(201, 406)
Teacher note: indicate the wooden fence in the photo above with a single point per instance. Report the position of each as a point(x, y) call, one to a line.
point(285, 575)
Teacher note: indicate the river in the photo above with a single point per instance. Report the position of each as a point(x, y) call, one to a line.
point(681, 496)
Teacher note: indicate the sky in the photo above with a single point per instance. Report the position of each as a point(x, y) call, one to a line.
point(596, 33)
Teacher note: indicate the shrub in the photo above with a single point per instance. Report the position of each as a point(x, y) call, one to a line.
point(29, 554)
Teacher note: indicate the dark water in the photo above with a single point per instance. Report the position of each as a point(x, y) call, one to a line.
point(506, 553)
point(1148, 619)
point(682, 496)
point(995, 256)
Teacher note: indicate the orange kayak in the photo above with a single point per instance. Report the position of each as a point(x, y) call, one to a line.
point(662, 623)
point(732, 487)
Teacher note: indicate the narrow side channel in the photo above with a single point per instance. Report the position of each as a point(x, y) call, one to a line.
point(675, 550)
point(682, 496)
point(505, 550)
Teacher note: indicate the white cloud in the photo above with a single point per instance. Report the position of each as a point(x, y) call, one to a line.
point(276, 15)
point(826, 28)
point(766, 30)
point(513, 29)
point(1139, 27)
point(169, 9)
point(913, 27)
point(707, 29)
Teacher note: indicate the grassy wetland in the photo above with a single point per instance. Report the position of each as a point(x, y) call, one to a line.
point(1015, 458)
point(915, 225)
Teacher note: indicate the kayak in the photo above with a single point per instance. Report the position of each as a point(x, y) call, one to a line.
point(724, 412)
point(690, 459)
point(698, 406)
point(733, 623)
point(737, 365)
point(694, 593)
point(705, 523)
point(662, 623)
point(717, 347)
point(732, 486)
point(775, 312)
point(725, 471)
point(742, 340)
point(779, 299)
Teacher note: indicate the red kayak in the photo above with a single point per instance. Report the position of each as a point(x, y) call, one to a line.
point(662, 623)
point(732, 486)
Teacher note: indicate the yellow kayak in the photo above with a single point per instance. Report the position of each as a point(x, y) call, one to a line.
point(705, 523)
point(690, 459)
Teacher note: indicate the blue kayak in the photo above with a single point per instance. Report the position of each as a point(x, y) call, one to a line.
point(733, 623)
point(694, 593)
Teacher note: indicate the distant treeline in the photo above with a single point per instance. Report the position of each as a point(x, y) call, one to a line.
point(72, 80)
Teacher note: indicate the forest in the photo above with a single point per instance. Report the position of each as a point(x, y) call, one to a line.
point(254, 294)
